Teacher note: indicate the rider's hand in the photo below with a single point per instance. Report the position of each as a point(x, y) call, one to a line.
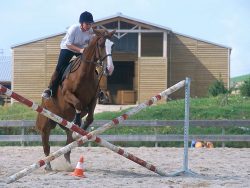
point(82, 50)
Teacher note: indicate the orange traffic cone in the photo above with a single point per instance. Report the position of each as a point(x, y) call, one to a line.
point(79, 172)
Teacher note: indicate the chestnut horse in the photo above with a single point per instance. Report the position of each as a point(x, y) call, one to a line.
point(77, 95)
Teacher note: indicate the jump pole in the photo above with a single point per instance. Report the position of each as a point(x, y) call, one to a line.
point(89, 136)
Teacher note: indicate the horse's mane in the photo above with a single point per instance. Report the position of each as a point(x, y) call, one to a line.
point(91, 49)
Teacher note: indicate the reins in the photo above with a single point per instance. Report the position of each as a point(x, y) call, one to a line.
point(98, 62)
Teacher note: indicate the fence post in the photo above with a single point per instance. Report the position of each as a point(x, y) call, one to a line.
point(23, 133)
point(156, 143)
point(223, 133)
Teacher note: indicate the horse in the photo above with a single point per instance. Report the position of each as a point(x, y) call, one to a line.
point(77, 94)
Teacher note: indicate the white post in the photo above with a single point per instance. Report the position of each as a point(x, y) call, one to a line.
point(139, 43)
point(164, 45)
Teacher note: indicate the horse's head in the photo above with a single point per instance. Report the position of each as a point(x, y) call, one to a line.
point(103, 51)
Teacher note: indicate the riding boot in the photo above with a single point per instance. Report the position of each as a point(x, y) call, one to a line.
point(53, 86)
point(103, 97)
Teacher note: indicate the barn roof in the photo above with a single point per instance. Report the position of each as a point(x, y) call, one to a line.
point(5, 70)
point(120, 15)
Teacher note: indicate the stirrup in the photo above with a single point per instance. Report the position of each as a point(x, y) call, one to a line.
point(47, 93)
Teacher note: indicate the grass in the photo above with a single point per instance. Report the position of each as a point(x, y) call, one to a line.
point(16, 112)
point(221, 107)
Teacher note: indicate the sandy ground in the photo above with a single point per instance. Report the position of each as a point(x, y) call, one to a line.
point(216, 167)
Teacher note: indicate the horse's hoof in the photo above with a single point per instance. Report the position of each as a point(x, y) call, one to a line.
point(75, 135)
point(48, 168)
point(69, 167)
point(82, 127)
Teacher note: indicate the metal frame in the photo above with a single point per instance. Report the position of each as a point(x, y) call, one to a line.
point(185, 170)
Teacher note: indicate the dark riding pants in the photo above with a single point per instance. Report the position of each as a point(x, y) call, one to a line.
point(63, 60)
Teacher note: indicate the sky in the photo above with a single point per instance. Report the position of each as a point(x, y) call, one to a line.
point(225, 22)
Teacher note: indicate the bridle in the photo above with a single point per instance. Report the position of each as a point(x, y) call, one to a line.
point(101, 59)
point(98, 61)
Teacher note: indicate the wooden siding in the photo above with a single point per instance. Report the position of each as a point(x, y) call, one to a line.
point(52, 53)
point(120, 56)
point(33, 66)
point(29, 71)
point(152, 77)
point(202, 62)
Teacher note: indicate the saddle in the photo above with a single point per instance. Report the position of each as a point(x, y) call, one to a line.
point(73, 65)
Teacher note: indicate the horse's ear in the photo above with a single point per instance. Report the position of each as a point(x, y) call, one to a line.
point(99, 32)
point(110, 34)
point(113, 32)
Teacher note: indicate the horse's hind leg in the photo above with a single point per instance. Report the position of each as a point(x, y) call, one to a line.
point(46, 147)
point(69, 140)
point(44, 125)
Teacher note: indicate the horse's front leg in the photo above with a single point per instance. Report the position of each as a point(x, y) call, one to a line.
point(90, 117)
point(72, 99)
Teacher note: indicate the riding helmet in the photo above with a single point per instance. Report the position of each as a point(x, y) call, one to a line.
point(86, 17)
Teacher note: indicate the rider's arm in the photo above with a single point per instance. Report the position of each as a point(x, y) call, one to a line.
point(70, 36)
point(75, 48)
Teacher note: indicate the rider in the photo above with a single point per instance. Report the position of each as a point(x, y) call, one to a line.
point(74, 43)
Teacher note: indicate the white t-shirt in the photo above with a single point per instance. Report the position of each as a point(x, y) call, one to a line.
point(76, 37)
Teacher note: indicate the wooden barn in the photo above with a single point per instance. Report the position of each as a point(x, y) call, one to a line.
point(148, 58)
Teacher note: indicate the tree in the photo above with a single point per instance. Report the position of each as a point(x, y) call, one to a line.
point(217, 88)
point(245, 88)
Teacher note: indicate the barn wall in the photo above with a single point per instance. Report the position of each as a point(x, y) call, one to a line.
point(202, 62)
point(33, 66)
point(29, 70)
point(152, 76)
point(52, 54)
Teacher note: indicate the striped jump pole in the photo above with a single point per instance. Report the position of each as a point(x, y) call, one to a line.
point(88, 136)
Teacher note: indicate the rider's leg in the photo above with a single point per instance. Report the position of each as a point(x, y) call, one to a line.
point(63, 60)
